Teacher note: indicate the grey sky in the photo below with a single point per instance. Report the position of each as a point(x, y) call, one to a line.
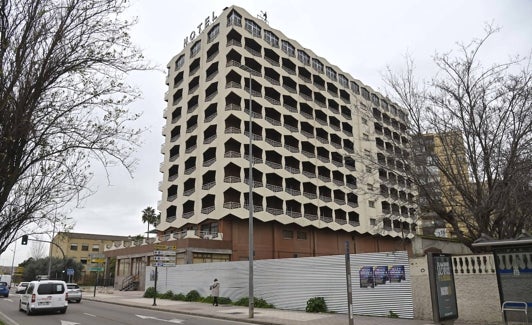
point(360, 37)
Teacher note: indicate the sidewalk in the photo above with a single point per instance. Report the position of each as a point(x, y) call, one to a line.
point(229, 312)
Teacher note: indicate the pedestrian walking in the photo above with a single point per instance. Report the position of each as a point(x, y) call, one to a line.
point(215, 292)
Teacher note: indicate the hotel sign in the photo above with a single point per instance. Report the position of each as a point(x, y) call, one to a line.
point(201, 27)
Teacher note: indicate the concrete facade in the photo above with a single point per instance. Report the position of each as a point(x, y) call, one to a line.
point(328, 151)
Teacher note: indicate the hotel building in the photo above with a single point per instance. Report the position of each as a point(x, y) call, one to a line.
point(328, 152)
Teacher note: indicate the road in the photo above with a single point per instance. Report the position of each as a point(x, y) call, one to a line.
point(98, 313)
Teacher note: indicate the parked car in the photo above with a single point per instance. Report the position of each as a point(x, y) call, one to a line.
point(21, 288)
point(74, 292)
point(4, 289)
point(45, 295)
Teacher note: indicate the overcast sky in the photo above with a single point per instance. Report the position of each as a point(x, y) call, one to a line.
point(360, 37)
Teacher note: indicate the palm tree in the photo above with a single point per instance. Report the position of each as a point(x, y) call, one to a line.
point(149, 216)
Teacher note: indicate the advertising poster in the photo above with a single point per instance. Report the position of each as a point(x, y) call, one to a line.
point(366, 277)
point(397, 273)
point(380, 274)
point(442, 287)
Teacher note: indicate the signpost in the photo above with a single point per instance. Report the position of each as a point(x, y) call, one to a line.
point(349, 284)
point(97, 260)
point(70, 273)
point(164, 256)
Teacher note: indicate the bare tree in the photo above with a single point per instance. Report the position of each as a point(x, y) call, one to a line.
point(38, 249)
point(476, 171)
point(62, 103)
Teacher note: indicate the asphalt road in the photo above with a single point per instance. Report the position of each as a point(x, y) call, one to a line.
point(98, 313)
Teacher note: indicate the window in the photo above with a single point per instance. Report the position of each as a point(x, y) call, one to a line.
point(330, 73)
point(288, 48)
point(372, 222)
point(179, 62)
point(215, 30)
point(371, 204)
point(288, 234)
point(375, 99)
point(253, 28)
point(303, 57)
point(302, 235)
point(83, 260)
point(95, 248)
point(234, 18)
point(343, 80)
point(317, 65)
point(195, 48)
point(50, 288)
point(365, 93)
point(355, 88)
point(271, 38)
point(84, 247)
point(73, 247)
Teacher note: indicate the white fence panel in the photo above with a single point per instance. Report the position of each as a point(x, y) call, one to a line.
point(289, 283)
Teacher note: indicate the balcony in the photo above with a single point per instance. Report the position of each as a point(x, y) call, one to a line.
point(232, 205)
point(209, 162)
point(208, 186)
point(232, 179)
point(274, 188)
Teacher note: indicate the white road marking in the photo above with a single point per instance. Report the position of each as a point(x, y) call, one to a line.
point(91, 315)
point(174, 321)
point(64, 322)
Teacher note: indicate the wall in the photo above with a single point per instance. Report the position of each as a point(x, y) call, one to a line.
point(477, 292)
point(289, 283)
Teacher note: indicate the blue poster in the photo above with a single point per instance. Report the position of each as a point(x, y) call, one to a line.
point(397, 273)
point(380, 274)
point(366, 277)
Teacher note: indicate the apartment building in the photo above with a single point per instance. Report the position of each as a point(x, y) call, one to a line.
point(328, 152)
point(433, 154)
point(81, 246)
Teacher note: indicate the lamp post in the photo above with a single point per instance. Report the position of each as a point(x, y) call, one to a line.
point(250, 201)
point(50, 256)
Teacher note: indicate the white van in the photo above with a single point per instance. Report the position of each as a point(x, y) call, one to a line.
point(45, 295)
point(6, 278)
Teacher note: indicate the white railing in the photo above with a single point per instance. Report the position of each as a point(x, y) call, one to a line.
point(474, 264)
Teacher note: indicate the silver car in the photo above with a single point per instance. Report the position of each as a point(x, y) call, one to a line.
point(74, 292)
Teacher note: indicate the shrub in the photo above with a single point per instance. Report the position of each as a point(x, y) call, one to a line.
point(178, 296)
point(316, 305)
point(193, 295)
point(221, 300)
point(167, 295)
point(225, 300)
point(149, 293)
point(258, 302)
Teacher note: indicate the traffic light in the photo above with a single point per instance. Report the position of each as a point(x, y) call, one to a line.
point(24, 239)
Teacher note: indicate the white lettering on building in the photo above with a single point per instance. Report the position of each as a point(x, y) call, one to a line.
point(201, 27)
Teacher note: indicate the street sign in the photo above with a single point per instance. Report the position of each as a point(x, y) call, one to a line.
point(163, 258)
point(96, 269)
point(165, 253)
point(165, 264)
point(98, 260)
point(160, 247)
point(70, 272)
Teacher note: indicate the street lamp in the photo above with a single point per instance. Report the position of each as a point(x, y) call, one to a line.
point(250, 200)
